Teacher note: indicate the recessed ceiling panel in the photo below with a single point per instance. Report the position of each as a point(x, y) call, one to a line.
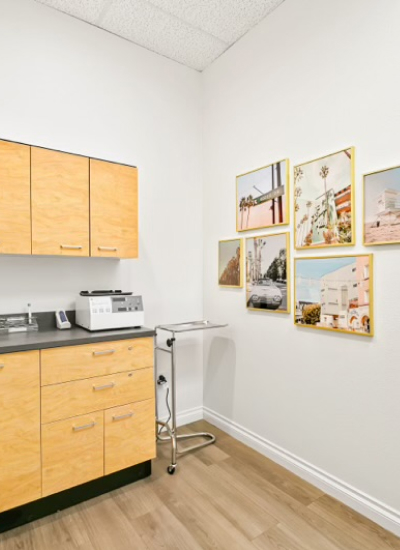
point(87, 10)
point(192, 32)
point(225, 19)
point(161, 32)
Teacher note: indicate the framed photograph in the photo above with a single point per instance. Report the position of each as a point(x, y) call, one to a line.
point(268, 273)
point(382, 207)
point(335, 293)
point(324, 201)
point(230, 271)
point(262, 197)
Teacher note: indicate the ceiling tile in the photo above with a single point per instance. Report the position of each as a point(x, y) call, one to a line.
point(88, 10)
point(227, 20)
point(153, 28)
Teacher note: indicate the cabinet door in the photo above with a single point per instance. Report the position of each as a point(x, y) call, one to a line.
point(20, 476)
point(15, 198)
point(113, 210)
point(130, 436)
point(60, 203)
point(72, 452)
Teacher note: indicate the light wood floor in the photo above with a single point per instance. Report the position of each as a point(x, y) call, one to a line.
point(225, 496)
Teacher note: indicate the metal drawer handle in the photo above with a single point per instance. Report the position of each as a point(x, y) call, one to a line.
point(122, 416)
point(84, 427)
point(108, 248)
point(105, 387)
point(2, 366)
point(71, 246)
point(105, 352)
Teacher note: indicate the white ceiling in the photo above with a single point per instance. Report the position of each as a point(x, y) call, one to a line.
point(192, 32)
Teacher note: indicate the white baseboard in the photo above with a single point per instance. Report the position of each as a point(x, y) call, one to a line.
point(188, 416)
point(377, 511)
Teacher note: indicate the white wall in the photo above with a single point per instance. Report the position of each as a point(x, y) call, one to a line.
point(314, 77)
point(69, 86)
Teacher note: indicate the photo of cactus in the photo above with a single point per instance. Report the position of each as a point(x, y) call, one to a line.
point(323, 201)
point(230, 263)
point(335, 293)
point(262, 197)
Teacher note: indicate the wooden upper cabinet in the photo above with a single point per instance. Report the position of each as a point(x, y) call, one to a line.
point(20, 468)
point(15, 200)
point(60, 203)
point(113, 210)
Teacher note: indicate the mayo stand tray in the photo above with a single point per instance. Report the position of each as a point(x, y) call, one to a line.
point(173, 436)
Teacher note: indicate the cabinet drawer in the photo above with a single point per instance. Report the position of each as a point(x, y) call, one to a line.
point(77, 362)
point(72, 452)
point(130, 436)
point(103, 392)
point(20, 477)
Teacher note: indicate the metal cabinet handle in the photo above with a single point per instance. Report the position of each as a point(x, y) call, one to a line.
point(122, 416)
point(108, 248)
point(105, 387)
point(71, 246)
point(84, 427)
point(105, 352)
point(2, 366)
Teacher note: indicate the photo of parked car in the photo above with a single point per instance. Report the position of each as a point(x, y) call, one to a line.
point(267, 273)
point(265, 294)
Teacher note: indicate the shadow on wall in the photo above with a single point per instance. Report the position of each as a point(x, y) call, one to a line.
point(220, 372)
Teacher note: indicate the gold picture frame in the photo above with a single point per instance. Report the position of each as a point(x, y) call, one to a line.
point(267, 280)
point(247, 203)
point(359, 312)
point(227, 270)
point(326, 220)
point(385, 207)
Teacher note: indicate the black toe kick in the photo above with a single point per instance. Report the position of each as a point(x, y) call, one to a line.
point(54, 503)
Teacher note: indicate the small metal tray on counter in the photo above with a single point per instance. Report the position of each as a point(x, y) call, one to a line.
point(17, 323)
point(190, 326)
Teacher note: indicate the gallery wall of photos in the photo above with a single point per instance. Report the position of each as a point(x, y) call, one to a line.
point(332, 292)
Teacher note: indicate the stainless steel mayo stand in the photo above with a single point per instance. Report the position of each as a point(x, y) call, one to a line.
point(173, 436)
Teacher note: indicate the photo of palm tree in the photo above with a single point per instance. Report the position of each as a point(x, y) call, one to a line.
point(323, 201)
point(262, 197)
point(230, 263)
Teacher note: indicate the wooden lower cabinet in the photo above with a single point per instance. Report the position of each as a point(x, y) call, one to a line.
point(20, 474)
point(72, 452)
point(129, 435)
point(61, 435)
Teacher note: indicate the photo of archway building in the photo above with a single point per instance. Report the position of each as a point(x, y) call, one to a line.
point(335, 293)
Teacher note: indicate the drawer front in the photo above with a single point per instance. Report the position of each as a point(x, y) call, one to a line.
point(103, 392)
point(20, 475)
point(77, 362)
point(130, 436)
point(72, 452)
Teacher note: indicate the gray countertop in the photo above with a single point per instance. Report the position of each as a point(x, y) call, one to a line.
point(54, 338)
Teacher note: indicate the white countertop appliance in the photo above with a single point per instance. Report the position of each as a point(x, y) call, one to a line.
point(109, 309)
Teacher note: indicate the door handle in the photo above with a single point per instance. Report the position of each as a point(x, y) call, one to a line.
point(84, 427)
point(108, 248)
point(71, 246)
point(105, 387)
point(122, 416)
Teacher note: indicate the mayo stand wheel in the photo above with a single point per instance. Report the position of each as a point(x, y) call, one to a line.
point(173, 436)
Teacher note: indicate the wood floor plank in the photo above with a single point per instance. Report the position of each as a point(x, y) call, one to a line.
point(236, 505)
point(369, 534)
point(278, 538)
point(161, 529)
point(208, 526)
